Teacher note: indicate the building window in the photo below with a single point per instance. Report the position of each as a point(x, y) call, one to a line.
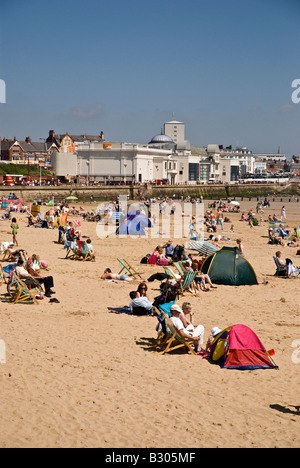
point(234, 173)
point(194, 170)
point(204, 171)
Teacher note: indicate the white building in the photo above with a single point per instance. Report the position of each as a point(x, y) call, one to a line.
point(119, 162)
point(167, 156)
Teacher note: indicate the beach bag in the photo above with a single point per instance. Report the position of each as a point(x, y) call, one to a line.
point(145, 259)
point(163, 262)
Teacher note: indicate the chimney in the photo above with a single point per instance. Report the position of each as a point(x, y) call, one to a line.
point(28, 140)
point(51, 135)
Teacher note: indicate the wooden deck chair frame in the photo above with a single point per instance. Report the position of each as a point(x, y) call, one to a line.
point(8, 256)
point(2, 276)
point(127, 269)
point(163, 334)
point(78, 255)
point(174, 338)
point(23, 294)
point(70, 253)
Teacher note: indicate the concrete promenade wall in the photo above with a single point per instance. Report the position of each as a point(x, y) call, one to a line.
point(211, 192)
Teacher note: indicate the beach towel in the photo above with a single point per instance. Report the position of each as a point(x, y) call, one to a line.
point(120, 310)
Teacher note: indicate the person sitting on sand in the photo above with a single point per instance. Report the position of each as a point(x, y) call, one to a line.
point(169, 249)
point(114, 276)
point(196, 335)
point(214, 332)
point(140, 305)
point(142, 290)
point(294, 241)
point(158, 257)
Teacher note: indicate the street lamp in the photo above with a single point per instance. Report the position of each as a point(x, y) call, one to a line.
point(125, 165)
point(88, 168)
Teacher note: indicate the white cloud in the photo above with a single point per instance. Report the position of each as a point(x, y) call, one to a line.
point(86, 111)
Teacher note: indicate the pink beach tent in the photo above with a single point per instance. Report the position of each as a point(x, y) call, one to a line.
point(238, 347)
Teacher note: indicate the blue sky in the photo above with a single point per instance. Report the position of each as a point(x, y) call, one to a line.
point(224, 67)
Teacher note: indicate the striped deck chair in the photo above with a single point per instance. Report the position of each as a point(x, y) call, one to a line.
point(163, 331)
point(180, 268)
point(187, 285)
point(174, 340)
point(128, 269)
point(172, 274)
point(72, 250)
point(83, 253)
point(23, 294)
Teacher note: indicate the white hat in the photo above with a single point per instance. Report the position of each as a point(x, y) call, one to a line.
point(175, 308)
point(215, 331)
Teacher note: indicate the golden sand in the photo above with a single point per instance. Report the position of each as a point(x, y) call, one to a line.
point(77, 375)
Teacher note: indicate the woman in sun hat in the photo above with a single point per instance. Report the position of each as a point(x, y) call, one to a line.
point(215, 331)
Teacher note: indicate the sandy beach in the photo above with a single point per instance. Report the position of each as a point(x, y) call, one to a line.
point(79, 375)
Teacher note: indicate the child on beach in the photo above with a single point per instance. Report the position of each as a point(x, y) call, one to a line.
point(14, 226)
point(240, 247)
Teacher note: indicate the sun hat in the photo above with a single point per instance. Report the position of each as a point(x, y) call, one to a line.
point(215, 331)
point(175, 308)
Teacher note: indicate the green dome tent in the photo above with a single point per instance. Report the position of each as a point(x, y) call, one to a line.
point(228, 267)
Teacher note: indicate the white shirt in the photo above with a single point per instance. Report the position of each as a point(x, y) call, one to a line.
point(179, 325)
point(20, 270)
point(140, 302)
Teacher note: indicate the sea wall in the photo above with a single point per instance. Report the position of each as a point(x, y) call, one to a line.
point(102, 193)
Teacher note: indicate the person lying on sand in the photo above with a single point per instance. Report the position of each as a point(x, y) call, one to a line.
point(114, 276)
